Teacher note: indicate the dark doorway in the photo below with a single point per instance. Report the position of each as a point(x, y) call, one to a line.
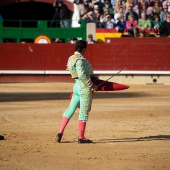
point(28, 11)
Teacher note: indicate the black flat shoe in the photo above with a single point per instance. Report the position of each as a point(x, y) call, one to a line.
point(58, 137)
point(84, 141)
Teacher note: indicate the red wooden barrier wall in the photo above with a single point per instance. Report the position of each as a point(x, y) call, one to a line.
point(132, 53)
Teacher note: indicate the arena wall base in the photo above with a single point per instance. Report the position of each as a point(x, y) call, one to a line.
point(139, 79)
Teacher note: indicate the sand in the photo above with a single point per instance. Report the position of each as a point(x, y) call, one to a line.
point(130, 129)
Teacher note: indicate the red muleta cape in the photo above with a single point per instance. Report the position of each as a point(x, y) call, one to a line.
point(106, 86)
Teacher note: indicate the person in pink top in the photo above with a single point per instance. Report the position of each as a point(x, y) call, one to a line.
point(131, 26)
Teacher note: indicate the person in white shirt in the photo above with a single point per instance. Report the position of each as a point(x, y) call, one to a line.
point(118, 14)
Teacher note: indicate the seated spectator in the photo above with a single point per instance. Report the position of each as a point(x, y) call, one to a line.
point(143, 9)
point(164, 13)
point(127, 3)
point(73, 41)
point(150, 14)
point(141, 3)
point(90, 39)
point(117, 6)
point(113, 2)
point(157, 8)
point(93, 3)
point(107, 5)
point(166, 3)
point(86, 18)
point(57, 40)
point(108, 22)
point(152, 2)
point(143, 24)
point(131, 26)
point(134, 7)
point(156, 24)
point(95, 16)
point(118, 14)
point(121, 24)
point(130, 11)
point(165, 29)
point(104, 15)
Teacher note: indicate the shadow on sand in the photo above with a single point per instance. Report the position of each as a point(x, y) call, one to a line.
point(35, 96)
point(147, 138)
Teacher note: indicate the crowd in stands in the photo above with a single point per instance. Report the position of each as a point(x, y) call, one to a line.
point(133, 17)
point(130, 16)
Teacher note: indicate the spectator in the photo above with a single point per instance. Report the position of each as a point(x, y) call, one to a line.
point(152, 2)
point(117, 6)
point(143, 9)
point(93, 3)
point(164, 13)
point(130, 11)
point(107, 5)
point(156, 24)
point(118, 14)
point(166, 3)
point(141, 3)
point(113, 2)
point(108, 22)
point(57, 40)
point(150, 14)
point(90, 39)
point(95, 16)
point(134, 7)
point(165, 29)
point(157, 8)
point(73, 41)
point(86, 18)
point(143, 24)
point(127, 3)
point(63, 13)
point(121, 24)
point(104, 16)
point(131, 26)
point(80, 6)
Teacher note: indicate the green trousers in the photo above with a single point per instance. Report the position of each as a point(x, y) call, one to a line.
point(81, 95)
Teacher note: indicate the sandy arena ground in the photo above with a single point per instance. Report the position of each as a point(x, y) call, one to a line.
point(130, 129)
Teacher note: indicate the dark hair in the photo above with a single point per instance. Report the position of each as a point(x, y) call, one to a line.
point(156, 15)
point(80, 45)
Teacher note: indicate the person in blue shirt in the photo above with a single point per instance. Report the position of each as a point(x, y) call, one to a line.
point(121, 24)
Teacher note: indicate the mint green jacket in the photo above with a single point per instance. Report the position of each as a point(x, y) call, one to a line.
point(80, 68)
point(144, 23)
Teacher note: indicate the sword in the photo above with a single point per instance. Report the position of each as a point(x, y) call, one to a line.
point(110, 78)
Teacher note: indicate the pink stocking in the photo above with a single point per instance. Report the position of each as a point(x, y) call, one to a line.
point(82, 127)
point(64, 123)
